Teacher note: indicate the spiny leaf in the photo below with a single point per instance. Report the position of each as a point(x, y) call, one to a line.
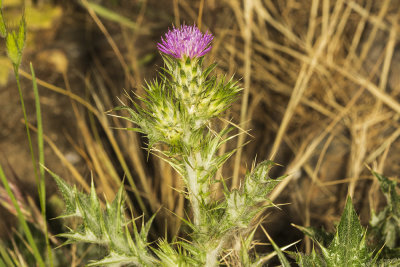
point(348, 247)
point(76, 236)
point(245, 248)
point(388, 188)
point(68, 193)
point(114, 259)
point(313, 260)
point(385, 227)
point(388, 263)
point(349, 230)
point(92, 214)
point(169, 256)
point(105, 227)
point(114, 223)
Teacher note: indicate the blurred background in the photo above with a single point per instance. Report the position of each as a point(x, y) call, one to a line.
point(321, 98)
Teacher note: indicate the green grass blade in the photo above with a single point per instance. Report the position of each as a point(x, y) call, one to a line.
point(22, 220)
point(27, 126)
point(111, 15)
point(33, 159)
point(5, 259)
point(3, 28)
point(42, 183)
point(281, 256)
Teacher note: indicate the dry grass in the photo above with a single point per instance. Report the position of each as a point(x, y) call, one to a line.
point(323, 83)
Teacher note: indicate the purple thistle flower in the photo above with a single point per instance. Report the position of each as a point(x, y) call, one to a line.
point(185, 41)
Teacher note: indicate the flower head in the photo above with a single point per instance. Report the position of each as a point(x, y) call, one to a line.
point(186, 41)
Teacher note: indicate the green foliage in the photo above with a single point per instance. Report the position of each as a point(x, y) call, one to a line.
point(181, 104)
point(348, 247)
point(243, 204)
point(385, 226)
point(177, 111)
point(313, 260)
point(388, 263)
point(176, 257)
point(245, 248)
point(15, 42)
point(107, 227)
point(3, 29)
point(281, 256)
point(5, 259)
point(22, 220)
point(318, 235)
point(111, 15)
point(235, 213)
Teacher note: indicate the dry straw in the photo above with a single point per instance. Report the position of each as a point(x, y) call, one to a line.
point(323, 81)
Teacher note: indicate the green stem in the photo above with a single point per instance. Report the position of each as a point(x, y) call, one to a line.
point(22, 220)
point(6, 260)
point(194, 190)
point(27, 127)
point(212, 255)
point(42, 184)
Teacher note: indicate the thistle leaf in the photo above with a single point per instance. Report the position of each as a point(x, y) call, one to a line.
point(388, 188)
point(169, 256)
point(245, 248)
point(388, 263)
point(386, 225)
point(313, 260)
point(348, 247)
point(114, 259)
point(69, 195)
point(105, 227)
point(258, 184)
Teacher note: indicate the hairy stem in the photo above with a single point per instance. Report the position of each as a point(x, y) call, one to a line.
point(194, 188)
point(212, 254)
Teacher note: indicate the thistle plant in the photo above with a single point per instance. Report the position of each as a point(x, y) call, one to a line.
point(354, 245)
point(347, 247)
point(177, 115)
point(385, 226)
